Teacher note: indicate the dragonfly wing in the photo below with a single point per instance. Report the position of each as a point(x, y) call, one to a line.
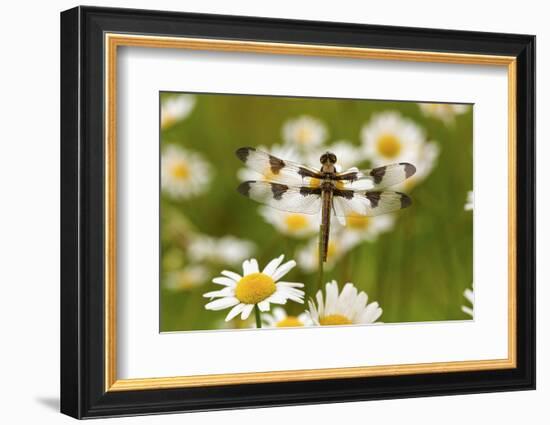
point(368, 203)
point(283, 197)
point(377, 178)
point(276, 169)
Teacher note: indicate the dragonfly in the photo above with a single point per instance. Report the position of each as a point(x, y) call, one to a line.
point(296, 188)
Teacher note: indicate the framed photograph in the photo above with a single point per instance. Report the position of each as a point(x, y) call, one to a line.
point(261, 212)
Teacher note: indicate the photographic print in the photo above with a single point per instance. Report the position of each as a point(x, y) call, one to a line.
point(282, 212)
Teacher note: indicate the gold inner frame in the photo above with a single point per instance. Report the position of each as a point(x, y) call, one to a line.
point(113, 41)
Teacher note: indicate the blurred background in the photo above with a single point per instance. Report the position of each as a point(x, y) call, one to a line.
point(416, 263)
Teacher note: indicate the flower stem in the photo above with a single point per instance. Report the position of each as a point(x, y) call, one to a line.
point(258, 318)
point(320, 279)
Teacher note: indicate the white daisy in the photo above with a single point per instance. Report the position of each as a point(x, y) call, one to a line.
point(389, 138)
point(347, 154)
point(187, 278)
point(361, 228)
point(183, 173)
point(350, 307)
point(225, 250)
point(426, 160)
point(176, 108)
point(278, 318)
point(291, 224)
point(284, 152)
point(469, 295)
point(445, 112)
point(254, 288)
point(304, 132)
point(469, 205)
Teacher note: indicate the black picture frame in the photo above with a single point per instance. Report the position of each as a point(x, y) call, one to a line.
point(83, 222)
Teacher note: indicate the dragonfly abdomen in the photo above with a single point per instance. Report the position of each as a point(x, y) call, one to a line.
point(327, 191)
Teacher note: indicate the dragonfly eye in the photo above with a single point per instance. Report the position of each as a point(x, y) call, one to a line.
point(328, 157)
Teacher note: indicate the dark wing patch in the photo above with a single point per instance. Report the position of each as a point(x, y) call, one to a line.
point(349, 176)
point(278, 190)
point(276, 164)
point(306, 172)
point(244, 188)
point(377, 178)
point(346, 194)
point(370, 203)
point(409, 169)
point(305, 191)
point(377, 174)
point(374, 198)
point(283, 197)
point(242, 153)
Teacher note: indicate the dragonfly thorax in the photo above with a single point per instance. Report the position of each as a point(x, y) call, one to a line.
point(327, 185)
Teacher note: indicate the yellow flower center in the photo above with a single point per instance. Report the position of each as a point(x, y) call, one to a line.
point(389, 145)
point(303, 135)
point(334, 319)
point(289, 322)
point(255, 287)
point(358, 222)
point(295, 222)
point(180, 171)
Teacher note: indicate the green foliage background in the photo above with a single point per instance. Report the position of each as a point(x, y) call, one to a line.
point(417, 271)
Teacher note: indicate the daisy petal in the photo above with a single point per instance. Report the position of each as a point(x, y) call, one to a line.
point(235, 311)
point(370, 314)
point(246, 311)
point(359, 304)
point(284, 269)
point(254, 266)
point(221, 293)
point(468, 310)
point(247, 267)
point(225, 281)
point(232, 275)
point(276, 299)
point(263, 305)
point(296, 299)
point(377, 314)
point(331, 290)
point(320, 303)
point(469, 294)
point(222, 303)
point(291, 284)
point(272, 265)
point(347, 297)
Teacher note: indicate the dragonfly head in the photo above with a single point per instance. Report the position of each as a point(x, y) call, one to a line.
point(328, 158)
